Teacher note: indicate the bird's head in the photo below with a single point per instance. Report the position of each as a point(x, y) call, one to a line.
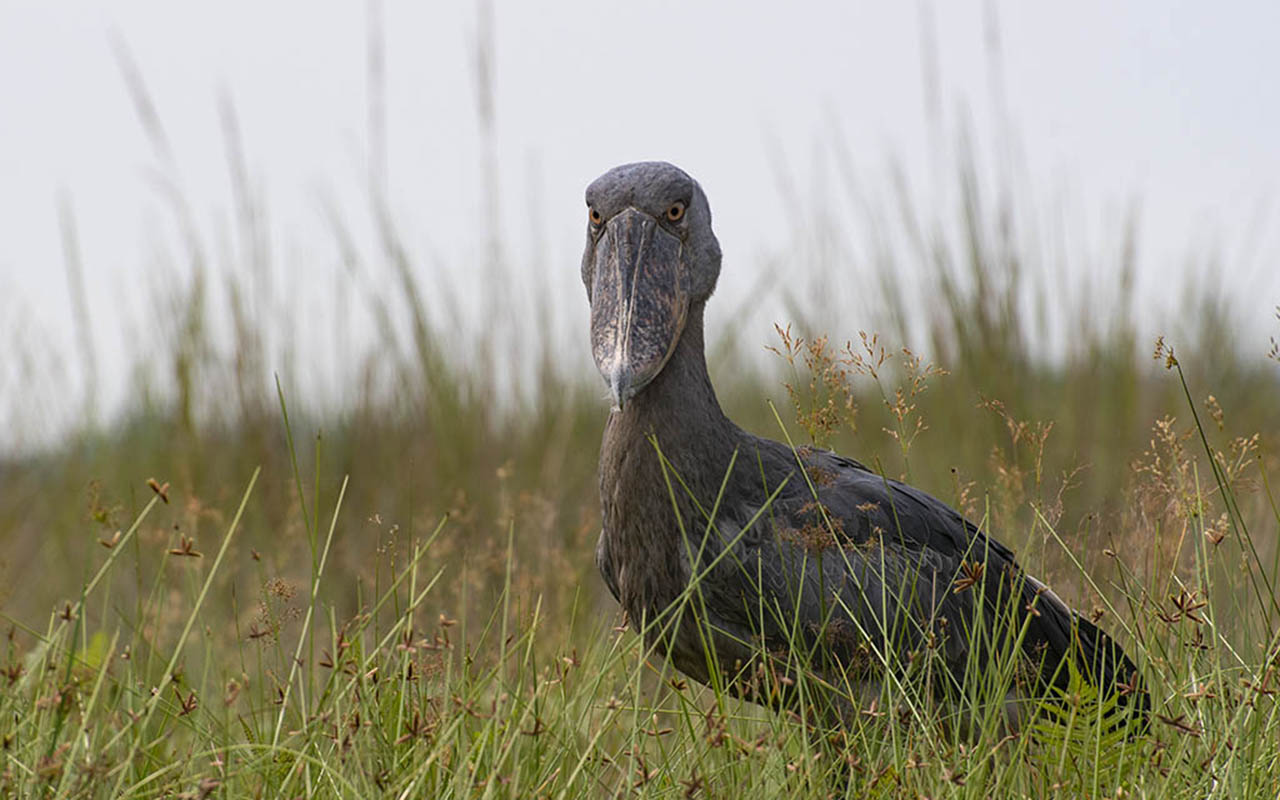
point(650, 254)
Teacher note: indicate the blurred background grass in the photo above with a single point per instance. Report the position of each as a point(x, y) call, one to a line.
point(1046, 407)
point(487, 427)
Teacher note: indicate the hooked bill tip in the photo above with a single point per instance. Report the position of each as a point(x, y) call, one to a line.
point(619, 387)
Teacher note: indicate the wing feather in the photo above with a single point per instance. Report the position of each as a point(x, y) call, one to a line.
point(871, 564)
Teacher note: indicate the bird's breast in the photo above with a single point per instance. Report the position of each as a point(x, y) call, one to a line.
point(641, 549)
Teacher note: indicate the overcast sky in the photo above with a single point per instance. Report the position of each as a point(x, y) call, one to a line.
point(1172, 105)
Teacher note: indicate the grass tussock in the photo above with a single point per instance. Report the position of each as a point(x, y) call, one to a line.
point(390, 591)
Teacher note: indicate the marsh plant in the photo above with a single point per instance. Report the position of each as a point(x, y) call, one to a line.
point(255, 584)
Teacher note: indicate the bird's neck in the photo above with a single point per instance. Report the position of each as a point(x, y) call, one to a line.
point(679, 409)
point(678, 412)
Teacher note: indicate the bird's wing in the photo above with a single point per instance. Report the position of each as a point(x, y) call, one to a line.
point(851, 553)
point(851, 561)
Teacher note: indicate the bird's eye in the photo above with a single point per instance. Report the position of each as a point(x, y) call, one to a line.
point(676, 212)
point(596, 219)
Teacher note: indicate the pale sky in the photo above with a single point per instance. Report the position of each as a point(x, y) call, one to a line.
point(1170, 107)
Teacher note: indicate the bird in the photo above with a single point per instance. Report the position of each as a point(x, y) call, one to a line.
point(745, 561)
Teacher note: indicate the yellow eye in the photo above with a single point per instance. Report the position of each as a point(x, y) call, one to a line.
point(676, 212)
point(596, 219)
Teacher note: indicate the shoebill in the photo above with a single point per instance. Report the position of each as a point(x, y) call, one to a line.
point(746, 561)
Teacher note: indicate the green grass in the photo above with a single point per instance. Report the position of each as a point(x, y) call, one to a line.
point(392, 593)
point(184, 687)
point(319, 645)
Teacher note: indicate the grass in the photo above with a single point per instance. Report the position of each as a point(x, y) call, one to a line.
point(153, 680)
point(388, 610)
point(246, 590)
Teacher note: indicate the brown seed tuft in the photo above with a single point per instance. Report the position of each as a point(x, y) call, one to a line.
point(819, 532)
point(821, 476)
point(159, 488)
